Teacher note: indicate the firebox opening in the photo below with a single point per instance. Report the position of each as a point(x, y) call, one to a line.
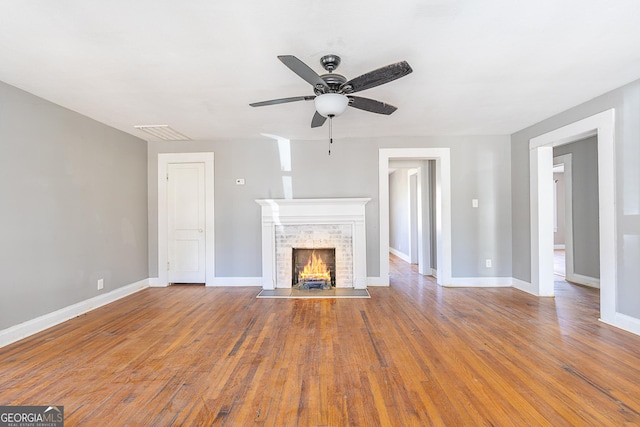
point(314, 268)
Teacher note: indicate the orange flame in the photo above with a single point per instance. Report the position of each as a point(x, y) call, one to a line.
point(315, 269)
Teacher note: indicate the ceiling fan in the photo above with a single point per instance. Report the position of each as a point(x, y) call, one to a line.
point(333, 92)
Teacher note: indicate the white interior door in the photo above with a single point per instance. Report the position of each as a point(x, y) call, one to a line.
point(186, 220)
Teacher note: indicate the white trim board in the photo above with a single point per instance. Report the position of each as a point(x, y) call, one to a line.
point(628, 323)
point(541, 207)
point(33, 326)
point(220, 282)
point(400, 255)
point(377, 281)
point(523, 286)
point(580, 279)
point(480, 282)
point(236, 281)
point(442, 159)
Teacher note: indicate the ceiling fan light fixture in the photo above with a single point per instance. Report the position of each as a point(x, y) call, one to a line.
point(331, 104)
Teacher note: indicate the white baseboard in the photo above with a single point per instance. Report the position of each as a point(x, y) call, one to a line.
point(219, 281)
point(583, 280)
point(627, 323)
point(154, 282)
point(524, 286)
point(33, 326)
point(480, 282)
point(562, 246)
point(434, 272)
point(236, 281)
point(377, 281)
point(400, 255)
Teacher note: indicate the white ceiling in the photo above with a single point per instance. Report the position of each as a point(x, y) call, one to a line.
point(480, 66)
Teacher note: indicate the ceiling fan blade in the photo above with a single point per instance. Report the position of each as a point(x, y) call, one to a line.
point(377, 77)
point(371, 105)
point(282, 101)
point(303, 70)
point(318, 120)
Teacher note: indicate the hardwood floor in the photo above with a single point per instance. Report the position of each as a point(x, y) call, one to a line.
point(414, 354)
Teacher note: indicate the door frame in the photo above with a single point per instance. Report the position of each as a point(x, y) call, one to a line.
point(164, 159)
point(541, 207)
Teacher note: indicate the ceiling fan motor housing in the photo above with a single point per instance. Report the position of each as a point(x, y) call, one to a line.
point(334, 81)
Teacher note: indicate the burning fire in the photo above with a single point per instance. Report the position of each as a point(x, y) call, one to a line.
point(315, 269)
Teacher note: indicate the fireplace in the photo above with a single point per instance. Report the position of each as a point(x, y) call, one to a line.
point(313, 268)
point(312, 224)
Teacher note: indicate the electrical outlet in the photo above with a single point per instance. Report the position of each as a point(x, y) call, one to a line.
point(487, 263)
point(474, 203)
point(239, 181)
point(100, 284)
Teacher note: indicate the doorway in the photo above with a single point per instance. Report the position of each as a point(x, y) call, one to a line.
point(410, 225)
point(185, 218)
point(601, 125)
point(442, 202)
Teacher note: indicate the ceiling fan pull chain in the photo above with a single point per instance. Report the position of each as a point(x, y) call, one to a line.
point(330, 133)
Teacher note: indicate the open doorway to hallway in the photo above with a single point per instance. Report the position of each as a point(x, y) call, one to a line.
point(442, 206)
point(411, 214)
point(541, 147)
point(576, 212)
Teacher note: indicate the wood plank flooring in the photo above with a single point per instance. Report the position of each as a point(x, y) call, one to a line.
point(415, 354)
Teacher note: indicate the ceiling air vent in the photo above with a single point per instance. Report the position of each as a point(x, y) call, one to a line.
point(164, 132)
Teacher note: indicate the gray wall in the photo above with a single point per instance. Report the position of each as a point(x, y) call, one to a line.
point(314, 174)
point(584, 189)
point(399, 211)
point(626, 101)
point(479, 169)
point(74, 197)
point(559, 234)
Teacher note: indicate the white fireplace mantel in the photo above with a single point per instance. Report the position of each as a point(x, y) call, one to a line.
point(282, 212)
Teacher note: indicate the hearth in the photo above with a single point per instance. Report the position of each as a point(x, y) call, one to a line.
point(313, 268)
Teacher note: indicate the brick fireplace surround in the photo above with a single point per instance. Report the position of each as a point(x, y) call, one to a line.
point(313, 223)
